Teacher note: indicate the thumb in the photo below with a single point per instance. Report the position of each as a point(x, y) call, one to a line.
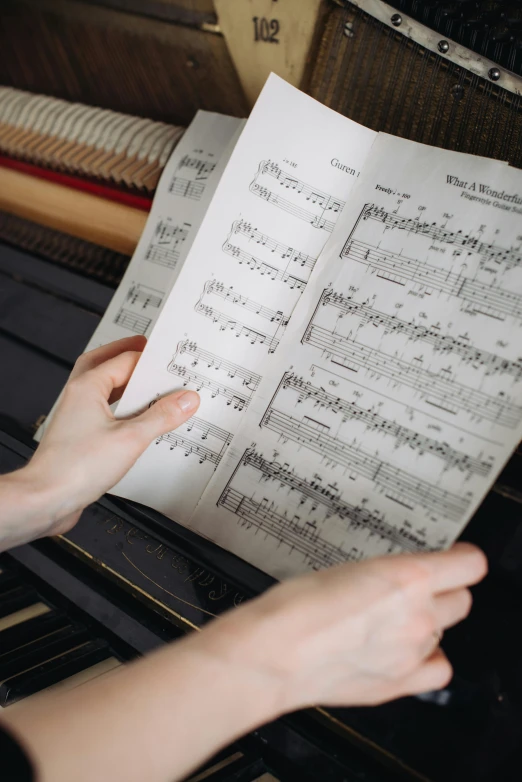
point(166, 414)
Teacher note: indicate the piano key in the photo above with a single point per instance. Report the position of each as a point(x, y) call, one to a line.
point(23, 615)
point(16, 598)
point(53, 671)
point(41, 650)
point(27, 632)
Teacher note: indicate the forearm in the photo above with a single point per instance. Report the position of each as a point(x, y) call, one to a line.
point(157, 719)
point(26, 511)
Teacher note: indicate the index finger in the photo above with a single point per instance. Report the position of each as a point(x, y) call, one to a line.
point(460, 566)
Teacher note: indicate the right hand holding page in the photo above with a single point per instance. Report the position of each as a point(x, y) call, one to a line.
point(355, 634)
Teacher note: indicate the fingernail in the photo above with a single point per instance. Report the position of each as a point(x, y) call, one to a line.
point(188, 401)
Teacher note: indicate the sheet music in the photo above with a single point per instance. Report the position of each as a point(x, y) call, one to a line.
point(397, 395)
point(182, 197)
point(276, 205)
point(184, 192)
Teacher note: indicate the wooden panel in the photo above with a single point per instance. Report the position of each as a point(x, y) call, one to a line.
point(270, 35)
point(116, 60)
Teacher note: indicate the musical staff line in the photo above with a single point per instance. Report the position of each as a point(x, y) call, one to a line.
point(441, 343)
point(490, 252)
point(233, 398)
point(191, 446)
point(402, 434)
point(241, 329)
point(164, 248)
point(142, 294)
point(324, 201)
point(229, 294)
point(212, 361)
point(256, 264)
point(482, 298)
point(445, 394)
point(328, 497)
point(243, 228)
point(132, 321)
point(397, 484)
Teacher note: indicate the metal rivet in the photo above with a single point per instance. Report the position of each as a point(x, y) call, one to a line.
point(443, 46)
point(396, 20)
point(494, 74)
point(348, 30)
point(457, 91)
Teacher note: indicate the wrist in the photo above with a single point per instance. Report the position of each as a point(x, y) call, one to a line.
point(29, 506)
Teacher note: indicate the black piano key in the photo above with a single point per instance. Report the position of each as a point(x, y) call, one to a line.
point(15, 599)
point(27, 632)
point(7, 580)
point(53, 671)
point(41, 650)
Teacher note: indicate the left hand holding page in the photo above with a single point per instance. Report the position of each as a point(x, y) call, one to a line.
point(85, 450)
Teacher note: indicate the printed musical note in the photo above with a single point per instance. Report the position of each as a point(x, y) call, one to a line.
point(233, 297)
point(192, 445)
point(302, 531)
point(398, 485)
point(165, 246)
point(226, 323)
point(231, 396)
point(212, 361)
point(403, 435)
point(316, 203)
point(191, 188)
point(144, 296)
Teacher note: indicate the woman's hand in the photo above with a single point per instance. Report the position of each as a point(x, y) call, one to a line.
point(352, 635)
point(85, 449)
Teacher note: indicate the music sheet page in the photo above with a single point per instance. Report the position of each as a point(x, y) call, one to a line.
point(182, 197)
point(275, 207)
point(397, 395)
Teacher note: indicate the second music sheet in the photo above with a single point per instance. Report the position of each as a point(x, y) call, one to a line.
point(219, 331)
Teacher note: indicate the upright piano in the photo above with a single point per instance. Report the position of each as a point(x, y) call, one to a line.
point(126, 579)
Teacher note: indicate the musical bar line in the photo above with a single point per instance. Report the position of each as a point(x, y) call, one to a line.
point(491, 252)
point(481, 298)
point(142, 294)
point(233, 398)
point(441, 343)
point(212, 361)
point(256, 264)
point(402, 434)
point(229, 294)
point(241, 329)
point(445, 394)
point(329, 497)
point(283, 251)
point(132, 321)
point(400, 486)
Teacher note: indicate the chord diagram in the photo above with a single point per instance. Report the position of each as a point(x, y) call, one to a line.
point(144, 296)
point(233, 297)
point(444, 393)
point(403, 435)
point(489, 251)
point(165, 246)
point(226, 323)
point(398, 485)
point(316, 202)
point(490, 363)
point(192, 445)
point(132, 321)
point(480, 298)
point(202, 168)
point(233, 398)
point(209, 360)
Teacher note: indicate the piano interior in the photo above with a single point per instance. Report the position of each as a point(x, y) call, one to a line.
point(126, 579)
